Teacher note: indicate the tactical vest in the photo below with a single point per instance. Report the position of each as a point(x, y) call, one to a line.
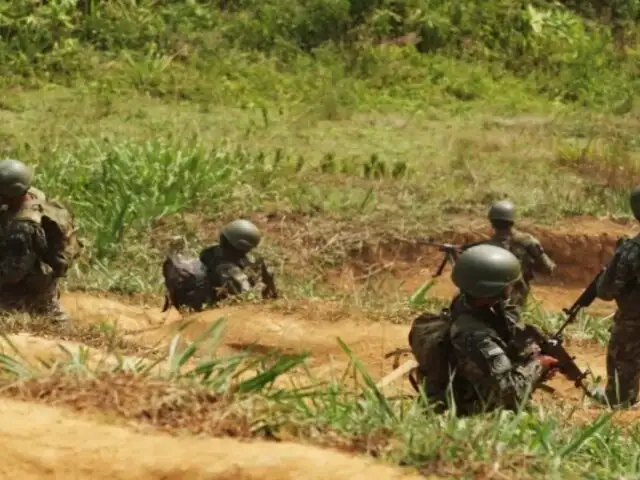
point(59, 227)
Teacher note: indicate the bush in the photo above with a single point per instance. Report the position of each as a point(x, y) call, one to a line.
point(571, 58)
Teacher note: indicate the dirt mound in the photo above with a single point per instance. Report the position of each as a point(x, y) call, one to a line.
point(37, 350)
point(41, 442)
point(312, 326)
point(254, 328)
point(92, 309)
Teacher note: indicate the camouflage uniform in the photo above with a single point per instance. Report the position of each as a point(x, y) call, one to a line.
point(620, 282)
point(221, 271)
point(32, 262)
point(480, 341)
point(532, 258)
point(229, 274)
point(491, 370)
point(524, 246)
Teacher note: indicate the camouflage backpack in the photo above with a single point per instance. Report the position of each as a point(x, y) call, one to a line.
point(59, 226)
point(431, 346)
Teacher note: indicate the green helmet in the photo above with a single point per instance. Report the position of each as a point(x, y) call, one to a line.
point(484, 271)
point(15, 178)
point(242, 235)
point(502, 210)
point(634, 202)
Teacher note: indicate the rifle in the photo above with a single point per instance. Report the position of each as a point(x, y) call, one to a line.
point(585, 299)
point(553, 347)
point(270, 290)
point(451, 253)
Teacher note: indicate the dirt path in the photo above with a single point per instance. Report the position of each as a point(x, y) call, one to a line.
point(40, 442)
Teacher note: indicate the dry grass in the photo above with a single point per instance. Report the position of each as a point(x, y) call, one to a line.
point(167, 406)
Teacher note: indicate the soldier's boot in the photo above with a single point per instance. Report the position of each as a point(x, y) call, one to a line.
point(52, 312)
point(609, 396)
point(598, 394)
point(57, 315)
point(48, 306)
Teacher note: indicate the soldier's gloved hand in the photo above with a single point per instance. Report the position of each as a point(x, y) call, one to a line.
point(548, 363)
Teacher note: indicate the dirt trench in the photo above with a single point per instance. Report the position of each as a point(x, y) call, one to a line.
point(312, 327)
point(580, 246)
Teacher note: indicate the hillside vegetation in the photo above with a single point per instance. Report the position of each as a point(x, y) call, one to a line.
point(105, 96)
point(337, 126)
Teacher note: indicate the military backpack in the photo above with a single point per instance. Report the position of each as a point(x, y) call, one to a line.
point(63, 244)
point(430, 342)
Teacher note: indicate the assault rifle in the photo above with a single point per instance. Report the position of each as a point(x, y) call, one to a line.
point(451, 253)
point(553, 346)
point(585, 299)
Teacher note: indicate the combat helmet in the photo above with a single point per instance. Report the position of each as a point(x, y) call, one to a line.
point(503, 211)
point(15, 178)
point(243, 235)
point(484, 271)
point(634, 202)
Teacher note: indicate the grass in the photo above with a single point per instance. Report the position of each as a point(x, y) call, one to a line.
point(156, 122)
point(235, 396)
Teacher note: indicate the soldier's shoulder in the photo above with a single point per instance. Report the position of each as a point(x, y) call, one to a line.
point(524, 238)
point(630, 242)
point(212, 252)
point(466, 323)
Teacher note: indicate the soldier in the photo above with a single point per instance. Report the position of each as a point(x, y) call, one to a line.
point(480, 341)
point(619, 282)
point(38, 243)
point(231, 271)
point(524, 246)
point(221, 271)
